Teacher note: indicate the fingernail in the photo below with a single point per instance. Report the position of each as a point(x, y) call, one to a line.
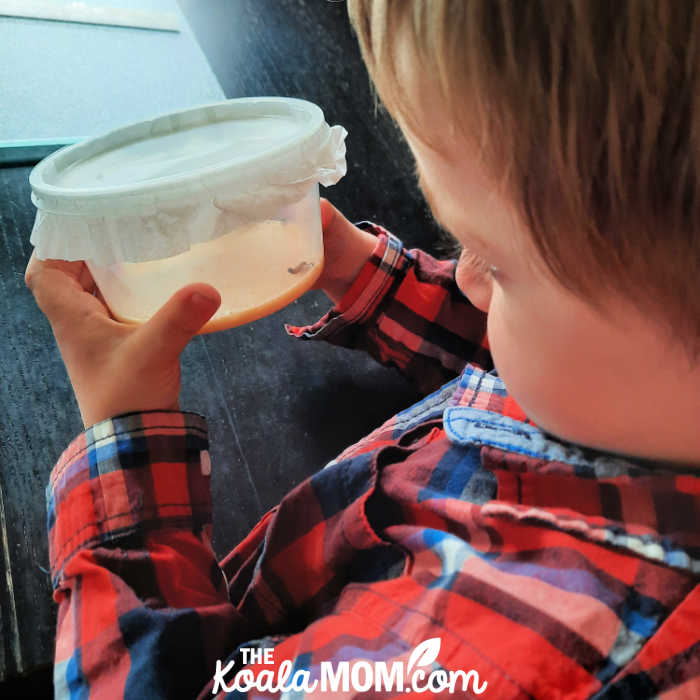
point(202, 303)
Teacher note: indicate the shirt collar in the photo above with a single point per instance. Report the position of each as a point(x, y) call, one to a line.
point(650, 508)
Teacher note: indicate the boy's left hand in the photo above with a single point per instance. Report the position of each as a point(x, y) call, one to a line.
point(116, 367)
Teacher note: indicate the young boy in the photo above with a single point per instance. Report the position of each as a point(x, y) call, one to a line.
point(526, 533)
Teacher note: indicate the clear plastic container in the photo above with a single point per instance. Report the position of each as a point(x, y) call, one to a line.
point(225, 194)
point(257, 268)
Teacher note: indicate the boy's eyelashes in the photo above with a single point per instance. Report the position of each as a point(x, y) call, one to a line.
point(478, 264)
point(480, 261)
point(448, 245)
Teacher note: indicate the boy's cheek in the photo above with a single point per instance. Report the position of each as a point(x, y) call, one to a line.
point(522, 355)
point(545, 369)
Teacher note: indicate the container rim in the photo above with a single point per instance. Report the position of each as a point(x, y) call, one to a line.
point(117, 138)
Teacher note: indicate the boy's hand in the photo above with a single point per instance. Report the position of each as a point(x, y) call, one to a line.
point(346, 250)
point(115, 367)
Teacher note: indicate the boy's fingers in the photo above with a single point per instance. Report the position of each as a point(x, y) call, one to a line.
point(76, 269)
point(167, 333)
point(58, 290)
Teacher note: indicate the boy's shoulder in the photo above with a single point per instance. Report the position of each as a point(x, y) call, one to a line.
point(471, 433)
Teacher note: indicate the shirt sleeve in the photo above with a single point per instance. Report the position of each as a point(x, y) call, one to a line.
point(143, 606)
point(406, 310)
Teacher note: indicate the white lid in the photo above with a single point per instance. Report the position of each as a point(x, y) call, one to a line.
point(152, 189)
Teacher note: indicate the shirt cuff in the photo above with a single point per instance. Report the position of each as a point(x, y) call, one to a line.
point(127, 475)
point(367, 291)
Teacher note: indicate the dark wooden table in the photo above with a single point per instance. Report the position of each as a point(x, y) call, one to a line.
point(278, 409)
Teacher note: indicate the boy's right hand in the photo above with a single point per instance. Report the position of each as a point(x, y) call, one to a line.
point(346, 249)
point(116, 367)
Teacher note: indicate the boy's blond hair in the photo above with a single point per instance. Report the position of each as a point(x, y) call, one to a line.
point(591, 111)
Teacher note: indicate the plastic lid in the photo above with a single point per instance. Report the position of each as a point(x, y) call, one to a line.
point(150, 190)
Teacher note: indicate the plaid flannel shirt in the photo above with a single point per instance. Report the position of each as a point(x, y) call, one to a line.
point(551, 570)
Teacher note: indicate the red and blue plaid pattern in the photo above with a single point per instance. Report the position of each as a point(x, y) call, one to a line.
point(406, 311)
point(552, 570)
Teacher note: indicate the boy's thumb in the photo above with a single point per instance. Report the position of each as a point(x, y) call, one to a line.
point(166, 334)
point(337, 230)
point(328, 214)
